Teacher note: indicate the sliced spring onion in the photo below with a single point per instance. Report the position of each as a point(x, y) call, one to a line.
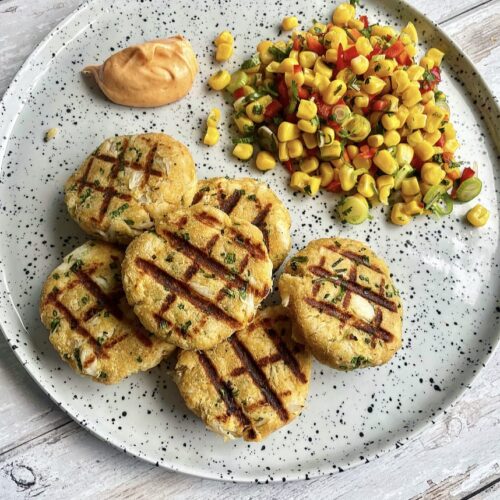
point(267, 140)
point(249, 139)
point(404, 172)
point(432, 195)
point(279, 54)
point(443, 205)
point(353, 209)
point(294, 99)
point(469, 189)
point(252, 62)
point(240, 103)
point(238, 79)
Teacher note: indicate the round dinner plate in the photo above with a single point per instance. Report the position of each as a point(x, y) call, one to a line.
point(447, 272)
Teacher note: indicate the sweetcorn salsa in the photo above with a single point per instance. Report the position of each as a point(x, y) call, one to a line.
point(346, 107)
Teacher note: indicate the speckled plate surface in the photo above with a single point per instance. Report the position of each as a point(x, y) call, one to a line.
point(446, 271)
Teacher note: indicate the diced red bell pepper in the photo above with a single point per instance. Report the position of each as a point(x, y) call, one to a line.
point(283, 92)
point(340, 64)
point(334, 187)
point(350, 54)
point(364, 20)
point(333, 124)
point(290, 117)
point(375, 52)
point(467, 174)
point(437, 74)
point(355, 33)
point(238, 93)
point(447, 157)
point(296, 44)
point(367, 152)
point(379, 105)
point(314, 45)
point(297, 68)
point(440, 142)
point(312, 152)
point(404, 59)
point(395, 49)
point(373, 170)
point(303, 93)
point(324, 110)
point(288, 165)
point(416, 162)
point(272, 109)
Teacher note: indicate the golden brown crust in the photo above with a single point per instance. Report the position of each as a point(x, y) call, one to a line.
point(255, 202)
point(344, 304)
point(90, 323)
point(251, 384)
point(128, 182)
point(199, 278)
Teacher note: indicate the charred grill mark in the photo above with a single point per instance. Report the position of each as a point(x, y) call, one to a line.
point(354, 287)
point(190, 272)
point(269, 360)
point(260, 222)
point(224, 390)
point(255, 250)
point(113, 341)
point(100, 189)
point(182, 222)
point(162, 322)
point(286, 355)
point(179, 288)
point(208, 220)
point(258, 377)
point(348, 295)
point(89, 361)
point(143, 336)
point(91, 312)
point(228, 204)
point(356, 258)
point(198, 197)
point(244, 263)
point(345, 317)
point(83, 180)
point(238, 371)
point(211, 243)
point(316, 288)
point(167, 303)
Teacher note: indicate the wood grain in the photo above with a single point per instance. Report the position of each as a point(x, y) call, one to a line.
point(43, 453)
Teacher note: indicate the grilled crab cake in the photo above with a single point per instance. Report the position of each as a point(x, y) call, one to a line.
point(127, 182)
point(344, 304)
point(91, 325)
point(198, 278)
point(254, 202)
point(252, 383)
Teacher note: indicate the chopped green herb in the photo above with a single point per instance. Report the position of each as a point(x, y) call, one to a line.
point(228, 292)
point(337, 262)
point(298, 259)
point(181, 306)
point(86, 194)
point(129, 222)
point(230, 258)
point(76, 355)
point(55, 276)
point(169, 257)
point(85, 299)
point(163, 324)
point(362, 277)
point(103, 375)
point(358, 361)
point(185, 327)
point(252, 197)
point(252, 62)
point(279, 54)
point(138, 359)
point(76, 266)
point(118, 211)
point(54, 323)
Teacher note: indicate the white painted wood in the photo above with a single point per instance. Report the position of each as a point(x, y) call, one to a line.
point(42, 452)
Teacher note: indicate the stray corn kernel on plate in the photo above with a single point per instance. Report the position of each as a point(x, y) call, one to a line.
point(362, 133)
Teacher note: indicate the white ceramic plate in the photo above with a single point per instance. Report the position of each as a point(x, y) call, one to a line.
point(447, 272)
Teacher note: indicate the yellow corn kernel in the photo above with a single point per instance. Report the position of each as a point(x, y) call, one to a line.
point(435, 118)
point(310, 140)
point(266, 57)
point(478, 216)
point(415, 138)
point(307, 126)
point(287, 65)
point(211, 136)
point(272, 67)
point(424, 150)
point(224, 52)
point(417, 197)
point(366, 186)
point(264, 46)
point(334, 92)
point(390, 121)
point(255, 110)
point(213, 117)
point(299, 180)
point(360, 64)
point(332, 151)
point(283, 151)
point(313, 187)
point(220, 80)
point(385, 162)
point(307, 58)
point(428, 98)
point(224, 37)
point(346, 75)
point(337, 163)
point(288, 132)
point(298, 78)
point(432, 173)
point(295, 148)
point(363, 46)
point(449, 131)
point(331, 55)
point(410, 186)
point(326, 172)
point(335, 37)
point(309, 164)
point(308, 77)
point(383, 67)
point(404, 154)
point(321, 67)
point(265, 161)
point(451, 146)
point(352, 151)
point(375, 141)
point(426, 63)
point(361, 101)
point(372, 85)
point(415, 72)
point(432, 138)
point(436, 55)
point(385, 183)
point(356, 24)
point(328, 134)
point(294, 54)
point(391, 138)
point(321, 82)
point(398, 216)
point(244, 124)
point(343, 14)
point(247, 90)
point(402, 114)
point(289, 23)
point(243, 151)
point(307, 109)
point(411, 96)
point(410, 30)
point(400, 81)
point(347, 177)
point(360, 162)
point(393, 102)
point(416, 121)
point(411, 50)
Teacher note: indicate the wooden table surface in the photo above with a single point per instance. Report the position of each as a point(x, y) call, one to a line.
point(44, 453)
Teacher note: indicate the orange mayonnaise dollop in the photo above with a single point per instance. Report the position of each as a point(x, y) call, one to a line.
point(149, 74)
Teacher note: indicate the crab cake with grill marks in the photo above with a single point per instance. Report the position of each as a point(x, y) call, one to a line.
point(91, 325)
point(128, 182)
point(344, 304)
point(254, 202)
point(252, 383)
point(198, 278)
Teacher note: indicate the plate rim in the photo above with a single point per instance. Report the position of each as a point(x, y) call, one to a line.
point(7, 122)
